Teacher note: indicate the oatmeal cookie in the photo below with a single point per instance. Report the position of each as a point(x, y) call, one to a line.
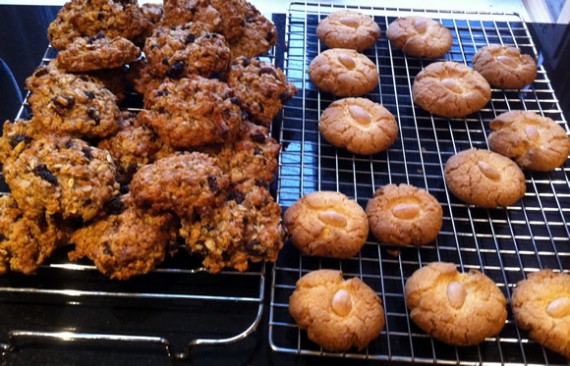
point(541, 305)
point(505, 66)
point(244, 229)
point(61, 176)
point(180, 12)
point(233, 14)
point(338, 314)
point(534, 142)
point(260, 87)
point(126, 241)
point(450, 89)
point(184, 50)
point(259, 35)
point(182, 183)
point(17, 136)
point(142, 79)
point(192, 111)
point(348, 29)
point(419, 37)
point(25, 243)
point(97, 52)
point(461, 309)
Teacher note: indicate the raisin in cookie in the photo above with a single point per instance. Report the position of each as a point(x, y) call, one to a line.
point(126, 241)
point(450, 89)
point(505, 66)
point(359, 125)
point(328, 224)
point(541, 305)
point(404, 214)
point(419, 37)
point(534, 142)
point(461, 309)
point(192, 111)
point(63, 176)
point(245, 228)
point(260, 87)
point(180, 183)
point(484, 178)
point(338, 314)
point(348, 29)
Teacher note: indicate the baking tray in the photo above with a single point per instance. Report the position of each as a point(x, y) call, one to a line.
point(506, 244)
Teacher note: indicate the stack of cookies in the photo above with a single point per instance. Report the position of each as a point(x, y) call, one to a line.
point(193, 165)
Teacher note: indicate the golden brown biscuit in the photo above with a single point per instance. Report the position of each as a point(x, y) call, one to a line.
point(419, 37)
point(484, 178)
point(348, 29)
point(327, 224)
point(337, 314)
point(541, 305)
point(534, 142)
point(343, 72)
point(359, 125)
point(403, 214)
point(450, 89)
point(505, 66)
point(461, 309)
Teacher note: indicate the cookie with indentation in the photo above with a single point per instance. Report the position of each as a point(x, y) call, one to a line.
point(505, 66)
point(343, 72)
point(450, 89)
point(327, 223)
point(461, 309)
point(541, 305)
point(534, 142)
point(359, 125)
point(338, 314)
point(404, 214)
point(419, 37)
point(348, 29)
point(484, 178)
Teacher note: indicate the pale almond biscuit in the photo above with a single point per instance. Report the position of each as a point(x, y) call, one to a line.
point(348, 29)
point(534, 142)
point(450, 89)
point(419, 37)
point(461, 309)
point(541, 305)
point(404, 214)
point(328, 224)
point(343, 72)
point(359, 125)
point(505, 66)
point(338, 314)
point(484, 178)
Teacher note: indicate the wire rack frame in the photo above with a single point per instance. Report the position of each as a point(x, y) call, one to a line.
point(504, 243)
point(176, 294)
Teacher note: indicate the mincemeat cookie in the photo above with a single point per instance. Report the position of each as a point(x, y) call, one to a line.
point(404, 214)
point(245, 228)
point(348, 29)
point(461, 309)
point(419, 37)
point(260, 87)
point(96, 53)
point(184, 50)
point(61, 176)
point(259, 35)
point(24, 242)
point(338, 314)
point(359, 125)
point(327, 224)
point(450, 89)
point(534, 142)
point(181, 183)
point(541, 305)
point(180, 12)
point(192, 112)
point(343, 72)
point(504, 66)
point(125, 241)
point(484, 178)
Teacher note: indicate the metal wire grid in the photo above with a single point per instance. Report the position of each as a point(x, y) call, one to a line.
point(174, 308)
point(504, 243)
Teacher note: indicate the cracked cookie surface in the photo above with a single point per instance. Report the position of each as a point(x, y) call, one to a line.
point(348, 29)
point(419, 37)
point(505, 66)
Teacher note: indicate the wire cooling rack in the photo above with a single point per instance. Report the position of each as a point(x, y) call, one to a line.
point(504, 243)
